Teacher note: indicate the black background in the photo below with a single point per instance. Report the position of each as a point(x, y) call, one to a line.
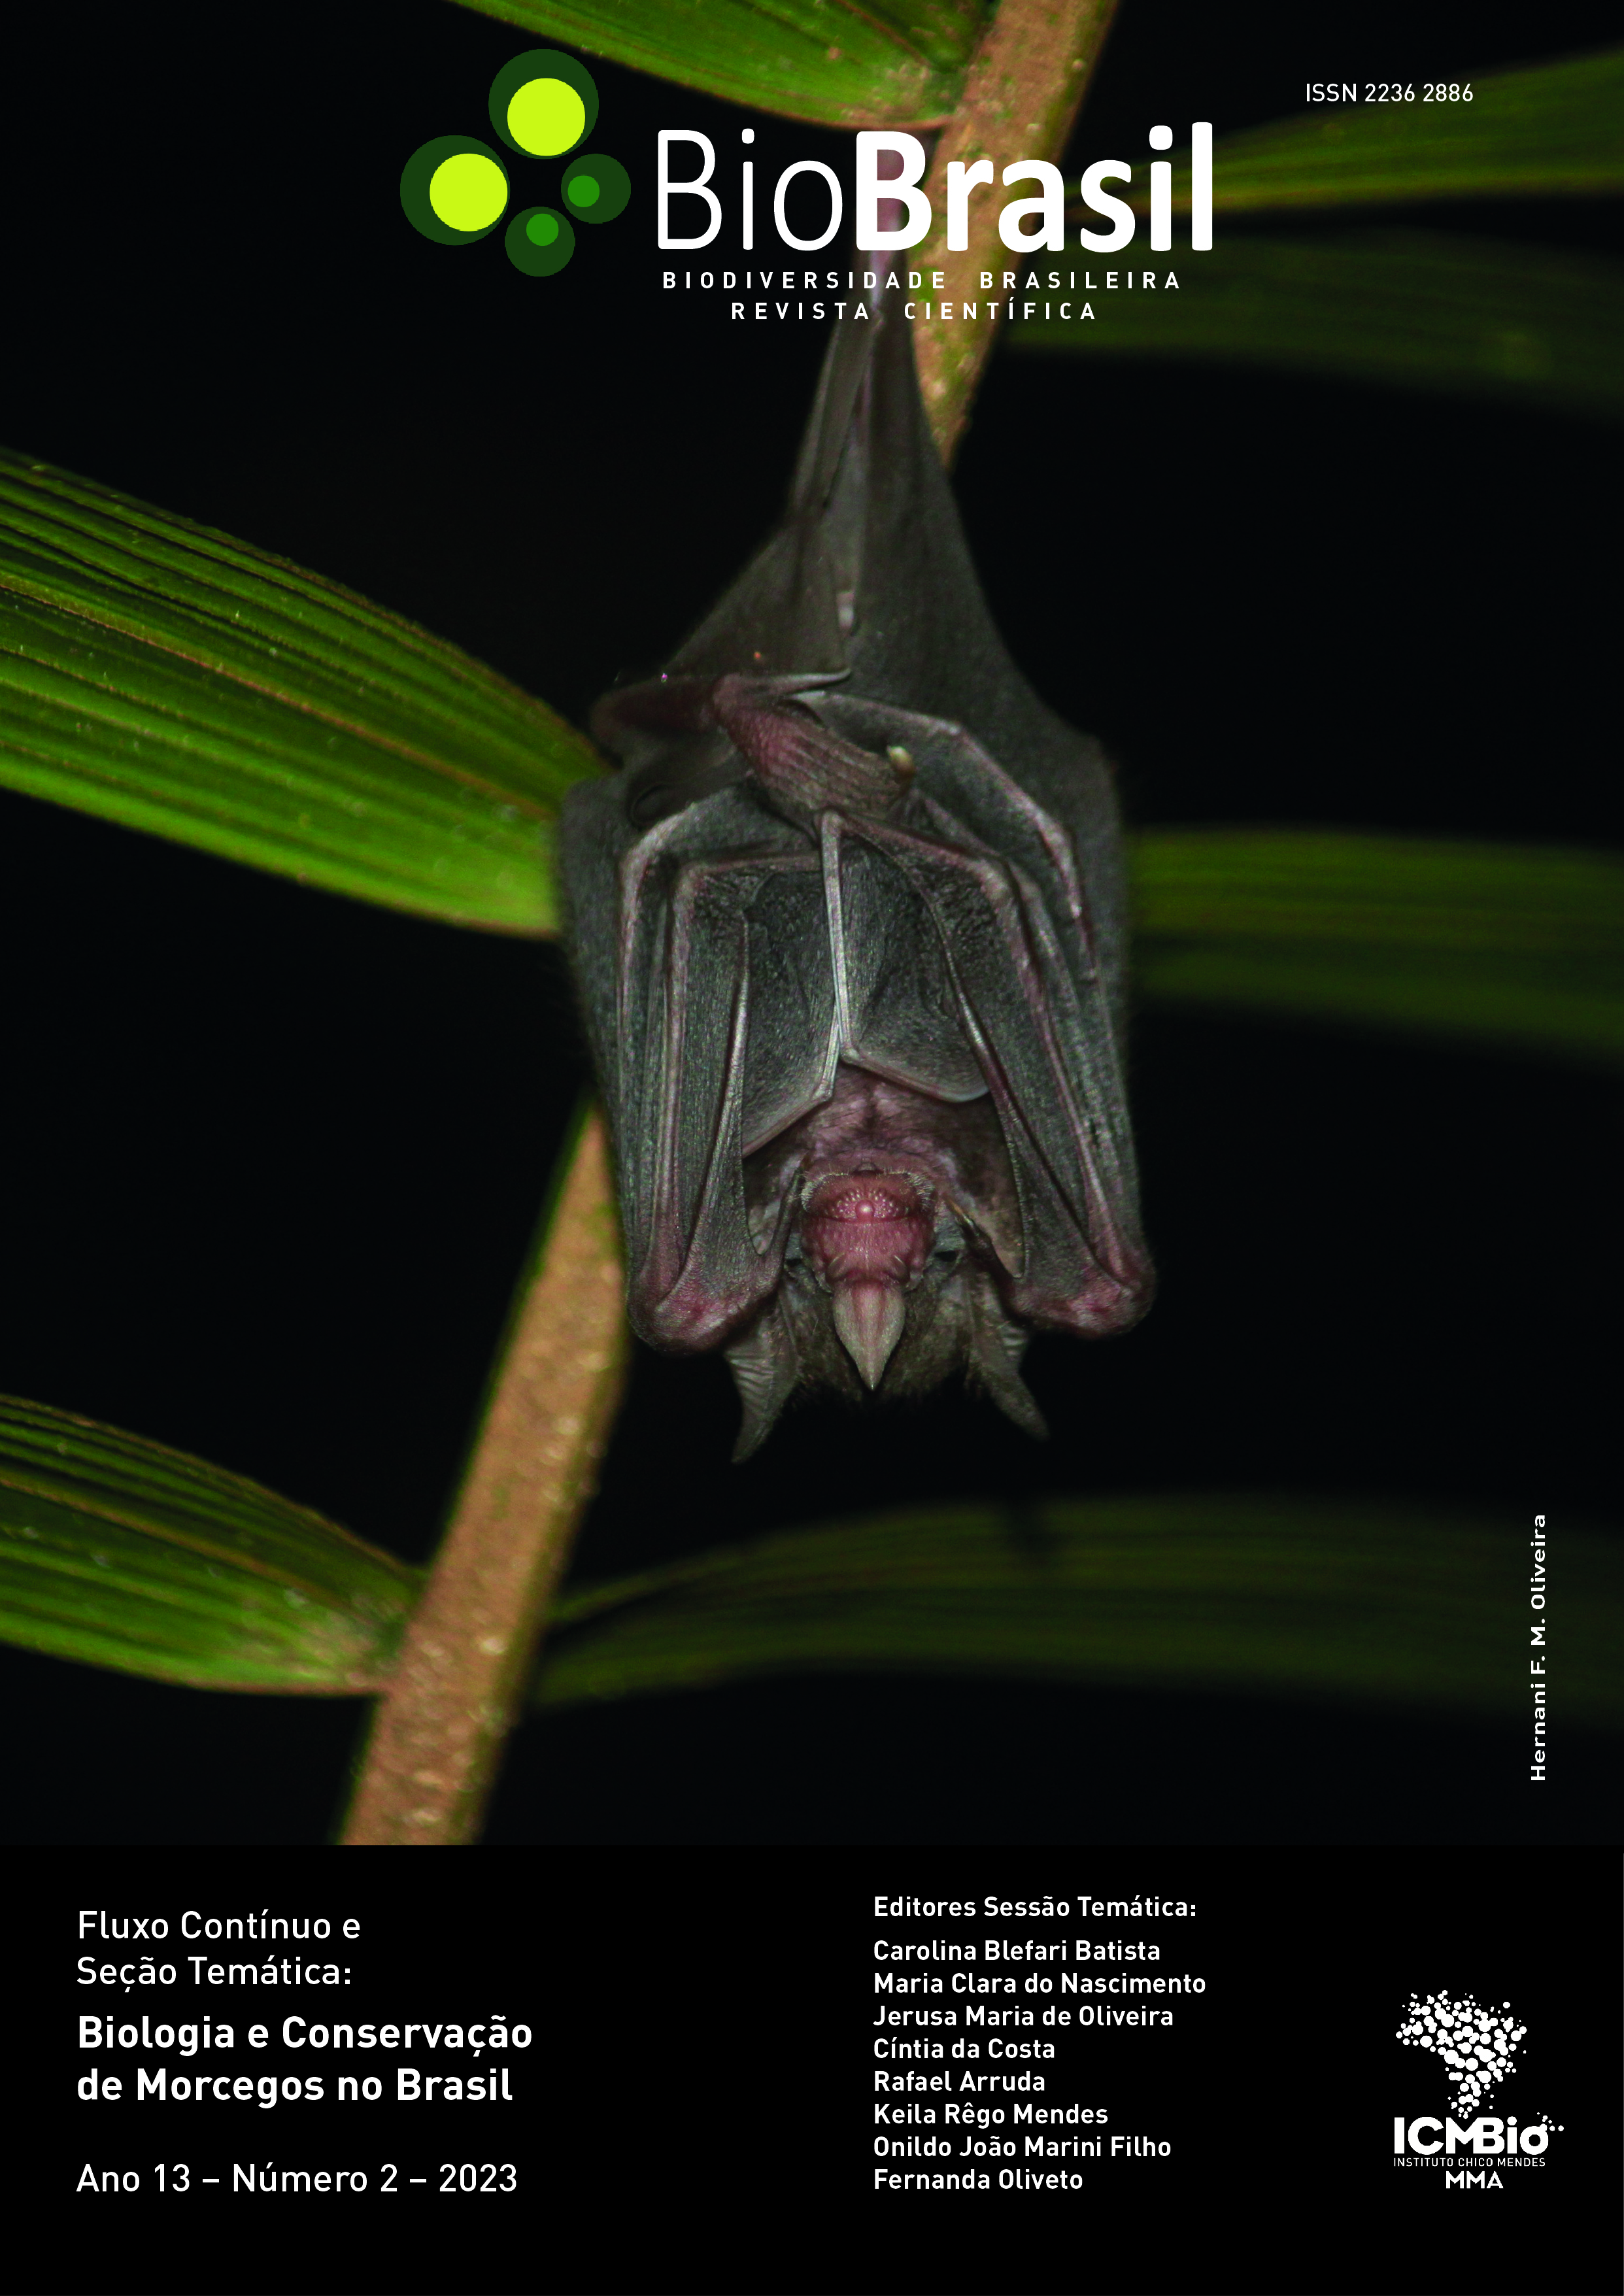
point(695, 2110)
point(272, 1157)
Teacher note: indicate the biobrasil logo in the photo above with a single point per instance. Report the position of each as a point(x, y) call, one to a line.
point(456, 189)
point(1479, 2049)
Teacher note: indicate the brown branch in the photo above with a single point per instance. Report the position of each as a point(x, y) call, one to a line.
point(454, 1691)
point(1025, 85)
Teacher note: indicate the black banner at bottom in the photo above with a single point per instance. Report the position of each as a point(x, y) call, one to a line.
point(799, 2070)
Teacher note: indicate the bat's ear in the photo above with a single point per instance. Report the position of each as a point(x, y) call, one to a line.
point(996, 1356)
point(764, 1371)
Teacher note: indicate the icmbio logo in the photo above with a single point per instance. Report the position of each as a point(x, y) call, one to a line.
point(543, 104)
point(1478, 2049)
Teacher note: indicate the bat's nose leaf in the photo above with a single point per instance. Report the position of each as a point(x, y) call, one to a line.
point(869, 1316)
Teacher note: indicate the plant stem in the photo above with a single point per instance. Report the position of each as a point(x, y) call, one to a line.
point(454, 1692)
point(1022, 93)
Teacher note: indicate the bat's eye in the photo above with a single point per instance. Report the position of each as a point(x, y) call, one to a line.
point(649, 806)
point(945, 1257)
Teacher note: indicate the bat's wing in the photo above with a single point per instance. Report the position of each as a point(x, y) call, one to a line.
point(870, 575)
point(918, 953)
point(989, 1003)
point(869, 572)
point(725, 1034)
point(755, 902)
point(793, 607)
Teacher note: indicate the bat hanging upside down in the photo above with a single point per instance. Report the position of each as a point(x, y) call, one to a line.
point(848, 932)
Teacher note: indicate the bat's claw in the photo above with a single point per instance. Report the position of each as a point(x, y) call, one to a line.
point(800, 766)
point(765, 1372)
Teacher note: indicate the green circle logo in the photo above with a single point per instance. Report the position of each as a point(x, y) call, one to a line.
point(596, 188)
point(468, 192)
point(539, 241)
point(454, 190)
point(543, 102)
point(545, 117)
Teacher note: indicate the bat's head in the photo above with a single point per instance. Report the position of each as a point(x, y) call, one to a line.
point(894, 1210)
point(865, 1238)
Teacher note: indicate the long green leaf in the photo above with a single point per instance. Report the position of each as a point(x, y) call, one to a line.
point(833, 60)
point(1316, 1598)
point(121, 1553)
point(1423, 311)
point(1551, 129)
point(166, 677)
point(171, 679)
point(1511, 947)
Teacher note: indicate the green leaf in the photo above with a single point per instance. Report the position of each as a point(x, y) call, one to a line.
point(1551, 129)
point(1512, 948)
point(119, 1552)
point(291, 729)
point(1426, 312)
point(847, 66)
point(1314, 1598)
point(168, 678)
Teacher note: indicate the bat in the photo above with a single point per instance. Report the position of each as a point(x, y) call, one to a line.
point(848, 929)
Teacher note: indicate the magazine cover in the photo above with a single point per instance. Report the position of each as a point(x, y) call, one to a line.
point(816, 992)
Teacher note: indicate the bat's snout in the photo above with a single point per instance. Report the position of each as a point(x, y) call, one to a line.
point(866, 1237)
point(876, 1226)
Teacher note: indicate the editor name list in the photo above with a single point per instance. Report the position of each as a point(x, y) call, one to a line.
point(983, 2043)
